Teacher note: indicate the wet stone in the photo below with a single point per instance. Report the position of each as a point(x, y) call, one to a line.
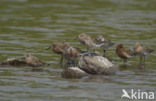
point(96, 65)
point(73, 72)
point(27, 60)
point(14, 62)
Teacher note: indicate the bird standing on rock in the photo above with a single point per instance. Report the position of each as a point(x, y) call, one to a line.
point(89, 42)
point(33, 61)
point(71, 54)
point(124, 53)
point(141, 51)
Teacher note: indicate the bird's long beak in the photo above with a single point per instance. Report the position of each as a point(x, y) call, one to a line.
point(75, 38)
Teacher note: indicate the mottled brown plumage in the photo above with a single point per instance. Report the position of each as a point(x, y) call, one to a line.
point(124, 53)
point(27, 60)
point(106, 43)
point(141, 51)
point(58, 48)
point(33, 61)
point(71, 54)
point(88, 41)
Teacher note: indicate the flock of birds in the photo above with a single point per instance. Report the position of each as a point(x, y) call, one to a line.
point(87, 61)
point(71, 54)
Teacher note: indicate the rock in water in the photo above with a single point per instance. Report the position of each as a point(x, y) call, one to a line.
point(96, 65)
point(14, 62)
point(28, 60)
point(73, 72)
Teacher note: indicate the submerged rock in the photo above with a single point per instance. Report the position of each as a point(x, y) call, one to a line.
point(28, 60)
point(73, 72)
point(95, 64)
point(14, 62)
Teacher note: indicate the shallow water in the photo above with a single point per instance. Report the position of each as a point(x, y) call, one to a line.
point(29, 26)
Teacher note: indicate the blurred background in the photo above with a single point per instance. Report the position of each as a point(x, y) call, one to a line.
point(29, 26)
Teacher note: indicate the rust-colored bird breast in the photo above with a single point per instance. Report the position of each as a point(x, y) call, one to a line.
point(119, 46)
point(121, 52)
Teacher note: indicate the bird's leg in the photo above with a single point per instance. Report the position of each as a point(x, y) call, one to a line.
point(76, 63)
point(87, 49)
point(73, 63)
point(94, 50)
point(68, 63)
point(140, 59)
point(104, 54)
point(61, 61)
point(144, 59)
point(125, 60)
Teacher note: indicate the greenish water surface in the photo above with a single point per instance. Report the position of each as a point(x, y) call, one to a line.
point(29, 26)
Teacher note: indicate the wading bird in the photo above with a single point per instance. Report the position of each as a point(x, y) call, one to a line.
point(71, 54)
point(141, 51)
point(89, 42)
point(124, 53)
point(106, 43)
point(58, 48)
